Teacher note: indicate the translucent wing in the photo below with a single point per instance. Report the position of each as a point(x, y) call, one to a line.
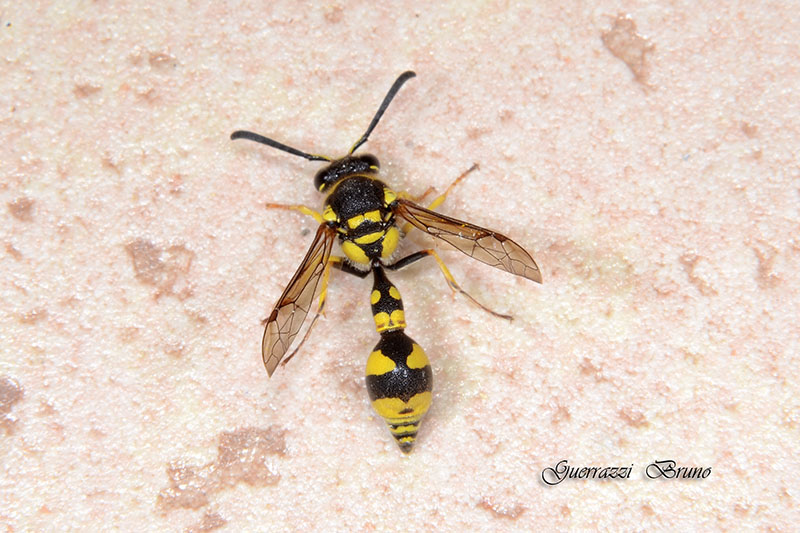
point(294, 304)
point(479, 243)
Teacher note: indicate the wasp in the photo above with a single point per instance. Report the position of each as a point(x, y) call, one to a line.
point(364, 214)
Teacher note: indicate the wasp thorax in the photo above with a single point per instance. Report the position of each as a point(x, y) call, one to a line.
point(346, 166)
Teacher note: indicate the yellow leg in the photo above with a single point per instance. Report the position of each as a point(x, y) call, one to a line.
point(323, 293)
point(416, 199)
point(301, 208)
point(439, 200)
point(455, 287)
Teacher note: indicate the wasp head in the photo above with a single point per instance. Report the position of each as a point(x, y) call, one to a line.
point(349, 165)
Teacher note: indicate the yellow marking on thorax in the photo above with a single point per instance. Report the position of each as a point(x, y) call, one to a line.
point(390, 240)
point(375, 297)
point(356, 221)
point(394, 293)
point(354, 252)
point(369, 238)
point(328, 215)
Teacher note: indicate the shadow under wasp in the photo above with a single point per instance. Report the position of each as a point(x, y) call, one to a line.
point(362, 213)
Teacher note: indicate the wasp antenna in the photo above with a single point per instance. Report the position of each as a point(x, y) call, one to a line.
point(250, 136)
point(404, 77)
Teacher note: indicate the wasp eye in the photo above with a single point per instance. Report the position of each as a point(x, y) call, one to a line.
point(370, 160)
point(321, 179)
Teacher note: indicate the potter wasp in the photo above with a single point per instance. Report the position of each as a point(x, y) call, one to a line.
point(364, 214)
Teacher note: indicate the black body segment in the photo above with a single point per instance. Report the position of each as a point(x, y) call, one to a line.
point(355, 195)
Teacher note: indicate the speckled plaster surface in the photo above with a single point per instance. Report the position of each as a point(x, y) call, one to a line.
point(645, 153)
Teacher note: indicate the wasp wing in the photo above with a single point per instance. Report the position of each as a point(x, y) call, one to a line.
point(479, 243)
point(294, 304)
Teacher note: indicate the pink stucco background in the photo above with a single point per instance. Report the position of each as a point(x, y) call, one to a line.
point(645, 153)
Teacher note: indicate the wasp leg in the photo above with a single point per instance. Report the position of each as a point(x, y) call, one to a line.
point(344, 266)
point(340, 264)
point(439, 200)
point(323, 293)
point(301, 208)
point(416, 199)
point(451, 282)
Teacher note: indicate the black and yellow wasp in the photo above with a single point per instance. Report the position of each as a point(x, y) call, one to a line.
point(362, 213)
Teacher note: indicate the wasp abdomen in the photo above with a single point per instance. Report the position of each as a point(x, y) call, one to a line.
point(399, 377)
point(399, 382)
